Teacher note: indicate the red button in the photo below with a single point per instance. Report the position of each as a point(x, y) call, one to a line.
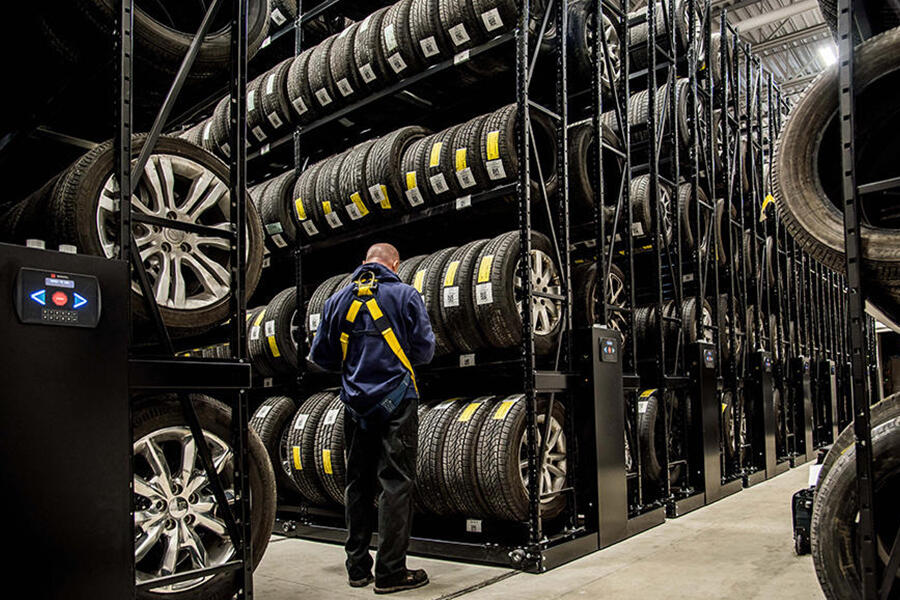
point(59, 298)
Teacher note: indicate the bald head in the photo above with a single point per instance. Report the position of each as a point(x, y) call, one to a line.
point(383, 254)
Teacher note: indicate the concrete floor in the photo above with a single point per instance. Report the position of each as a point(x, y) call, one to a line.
point(739, 547)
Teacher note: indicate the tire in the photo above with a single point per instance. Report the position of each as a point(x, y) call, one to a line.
point(580, 40)
point(346, 78)
point(299, 93)
point(581, 157)
point(459, 468)
point(275, 211)
point(883, 16)
point(316, 305)
point(306, 203)
point(330, 465)
point(353, 192)
point(256, 342)
point(383, 175)
point(834, 526)
point(274, 98)
point(500, 440)
point(879, 413)
point(427, 281)
point(258, 127)
point(407, 269)
point(652, 436)
point(455, 295)
point(318, 72)
point(438, 166)
point(640, 31)
point(281, 329)
point(416, 192)
point(807, 184)
point(458, 18)
point(467, 166)
point(430, 40)
point(780, 432)
point(729, 435)
point(585, 294)
point(495, 297)
point(74, 216)
point(498, 148)
point(367, 53)
point(433, 427)
point(220, 131)
point(283, 11)
point(271, 421)
point(302, 447)
point(397, 45)
point(641, 209)
point(327, 203)
point(691, 237)
point(161, 420)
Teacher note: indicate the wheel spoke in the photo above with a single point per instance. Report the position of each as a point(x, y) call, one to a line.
point(157, 460)
point(146, 489)
point(210, 522)
point(164, 280)
point(146, 541)
point(170, 558)
point(194, 545)
point(180, 293)
point(555, 470)
point(146, 519)
point(188, 458)
point(214, 277)
point(204, 200)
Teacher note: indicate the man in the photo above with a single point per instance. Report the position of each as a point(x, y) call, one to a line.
point(374, 331)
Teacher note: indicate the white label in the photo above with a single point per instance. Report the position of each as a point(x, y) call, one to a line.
point(688, 277)
point(429, 46)
point(459, 34)
point(465, 177)
point(310, 228)
point(270, 328)
point(251, 100)
point(467, 360)
point(376, 193)
point(268, 382)
point(331, 416)
point(414, 196)
point(461, 57)
point(367, 73)
point(353, 211)
point(463, 202)
point(278, 17)
point(390, 40)
point(254, 332)
point(270, 85)
point(642, 406)
point(275, 120)
point(273, 228)
point(299, 105)
point(300, 421)
point(258, 133)
point(814, 474)
point(492, 19)
point(483, 293)
point(344, 87)
point(314, 320)
point(262, 412)
point(495, 169)
point(323, 97)
point(397, 63)
point(637, 228)
point(451, 296)
point(279, 241)
point(267, 261)
point(438, 183)
point(333, 220)
point(473, 525)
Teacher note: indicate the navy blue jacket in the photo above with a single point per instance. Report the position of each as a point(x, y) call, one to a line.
point(372, 370)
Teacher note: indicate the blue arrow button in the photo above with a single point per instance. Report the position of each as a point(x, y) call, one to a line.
point(40, 297)
point(79, 300)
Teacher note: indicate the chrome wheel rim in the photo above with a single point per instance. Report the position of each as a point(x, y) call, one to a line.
point(188, 271)
point(177, 525)
point(615, 296)
point(665, 206)
point(546, 313)
point(629, 462)
point(612, 43)
point(706, 324)
point(553, 469)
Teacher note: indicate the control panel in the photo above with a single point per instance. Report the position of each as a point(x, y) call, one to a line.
point(609, 349)
point(55, 298)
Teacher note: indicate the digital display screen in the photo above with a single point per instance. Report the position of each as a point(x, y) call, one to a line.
point(57, 282)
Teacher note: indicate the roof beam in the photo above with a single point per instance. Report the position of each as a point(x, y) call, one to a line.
point(795, 36)
point(799, 81)
point(774, 16)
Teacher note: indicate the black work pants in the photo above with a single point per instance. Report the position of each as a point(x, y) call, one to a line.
point(382, 454)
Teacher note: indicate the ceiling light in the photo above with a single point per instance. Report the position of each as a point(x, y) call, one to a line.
point(828, 54)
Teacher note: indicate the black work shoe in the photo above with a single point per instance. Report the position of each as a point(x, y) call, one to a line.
point(358, 583)
point(408, 580)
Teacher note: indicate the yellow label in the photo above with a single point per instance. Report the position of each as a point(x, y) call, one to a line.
point(435, 154)
point(493, 145)
point(503, 409)
point(647, 393)
point(451, 273)
point(468, 411)
point(769, 199)
point(385, 202)
point(419, 280)
point(301, 212)
point(259, 319)
point(326, 460)
point(460, 159)
point(297, 464)
point(273, 346)
point(724, 406)
point(484, 269)
point(411, 183)
point(326, 206)
point(357, 200)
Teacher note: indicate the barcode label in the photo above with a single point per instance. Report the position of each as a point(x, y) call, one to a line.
point(314, 320)
point(429, 46)
point(376, 193)
point(310, 228)
point(323, 97)
point(465, 177)
point(258, 133)
point(459, 34)
point(254, 332)
point(270, 328)
point(270, 85)
point(484, 294)
point(642, 406)
point(461, 57)
point(473, 525)
point(390, 40)
point(366, 71)
point(300, 421)
point(495, 169)
point(492, 19)
point(279, 241)
point(275, 120)
point(451, 296)
point(331, 416)
point(637, 228)
point(333, 220)
point(397, 63)
point(353, 211)
point(414, 196)
point(299, 105)
point(463, 202)
point(466, 360)
point(438, 183)
point(278, 17)
point(262, 412)
point(268, 382)
point(344, 87)
point(273, 228)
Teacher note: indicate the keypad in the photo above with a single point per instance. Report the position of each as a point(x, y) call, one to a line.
point(59, 315)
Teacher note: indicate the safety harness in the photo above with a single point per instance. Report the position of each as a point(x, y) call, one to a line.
point(365, 288)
